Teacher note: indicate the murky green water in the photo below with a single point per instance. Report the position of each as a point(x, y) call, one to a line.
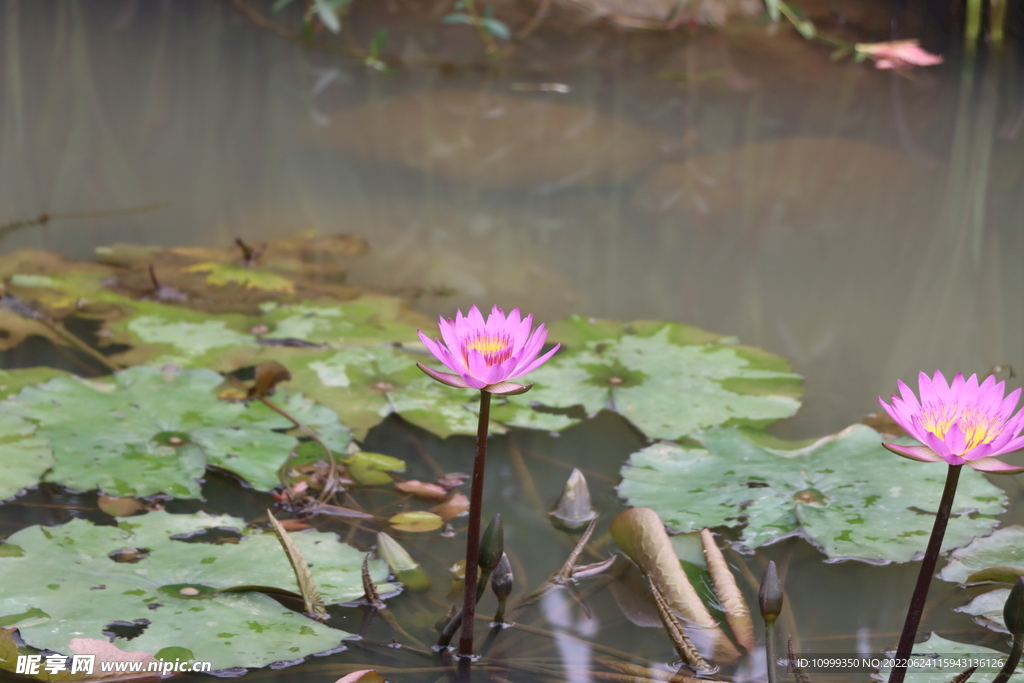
point(861, 224)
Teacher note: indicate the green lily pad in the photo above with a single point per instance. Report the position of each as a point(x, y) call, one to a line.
point(987, 609)
point(163, 335)
point(13, 381)
point(946, 666)
point(365, 385)
point(845, 493)
point(667, 379)
point(369, 321)
point(222, 274)
point(1003, 547)
point(65, 579)
point(157, 431)
point(25, 455)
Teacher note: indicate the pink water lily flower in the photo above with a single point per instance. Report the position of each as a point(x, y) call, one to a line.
point(485, 355)
point(961, 423)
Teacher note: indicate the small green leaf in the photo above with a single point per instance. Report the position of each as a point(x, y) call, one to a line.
point(416, 521)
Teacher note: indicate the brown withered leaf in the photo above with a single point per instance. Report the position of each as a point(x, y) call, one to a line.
point(269, 374)
point(456, 506)
point(431, 493)
point(121, 506)
point(451, 480)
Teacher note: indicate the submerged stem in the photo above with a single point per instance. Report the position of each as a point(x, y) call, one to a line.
point(924, 578)
point(473, 532)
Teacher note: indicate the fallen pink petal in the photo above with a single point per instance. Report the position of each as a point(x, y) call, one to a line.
point(898, 54)
point(962, 423)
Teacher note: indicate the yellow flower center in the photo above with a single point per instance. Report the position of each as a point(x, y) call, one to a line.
point(495, 349)
point(977, 427)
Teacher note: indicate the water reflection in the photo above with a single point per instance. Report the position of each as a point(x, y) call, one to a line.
point(863, 226)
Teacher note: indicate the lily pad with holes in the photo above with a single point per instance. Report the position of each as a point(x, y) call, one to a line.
point(66, 585)
point(153, 431)
point(845, 493)
point(667, 379)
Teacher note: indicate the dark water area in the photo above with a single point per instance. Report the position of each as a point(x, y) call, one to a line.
point(864, 225)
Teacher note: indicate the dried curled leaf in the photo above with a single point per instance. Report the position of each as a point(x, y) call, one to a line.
point(640, 533)
point(314, 604)
point(737, 613)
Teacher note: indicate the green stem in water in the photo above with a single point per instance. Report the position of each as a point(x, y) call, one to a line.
point(473, 532)
point(769, 650)
point(924, 578)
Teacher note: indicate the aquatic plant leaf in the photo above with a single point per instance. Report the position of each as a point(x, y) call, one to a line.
point(987, 609)
point(252, 278)
point(24, 454)
point(66, 573)
point(843, 493)
point(950, 651)
point(13, 381)
point(156, 431)
point(667, 379)
point(1002, 547)
point(997, 557)
point(365, 385)
point(166, 335)
point(368, 321)
point(415, 521)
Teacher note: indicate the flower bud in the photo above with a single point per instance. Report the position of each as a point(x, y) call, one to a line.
point(769, 598)
point(492, 545)
point(1013, 610)
point(574, 509)
point(501, 579)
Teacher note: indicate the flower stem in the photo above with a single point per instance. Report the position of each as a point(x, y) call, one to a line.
point(924, 578)
point(769, 651)
point(1012, 660)
point(473, 532)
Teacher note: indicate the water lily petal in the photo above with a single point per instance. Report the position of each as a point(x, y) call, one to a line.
point(540, 361)
point(920, 453)
point(994, 466)
point(444, 377)
point(508, 388)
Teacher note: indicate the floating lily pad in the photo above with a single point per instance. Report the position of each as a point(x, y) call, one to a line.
point(156, 431)
point(667, 379)
point(845, 493)
point(1002, 547)
point(951, 651)
point(365, 385)
point(987, 609)
point(369, 321)
point(13, 381)
point(66, 585)
point(24, 454)
point(251, 278)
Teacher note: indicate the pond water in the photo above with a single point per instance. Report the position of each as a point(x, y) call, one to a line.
point(863, 225)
